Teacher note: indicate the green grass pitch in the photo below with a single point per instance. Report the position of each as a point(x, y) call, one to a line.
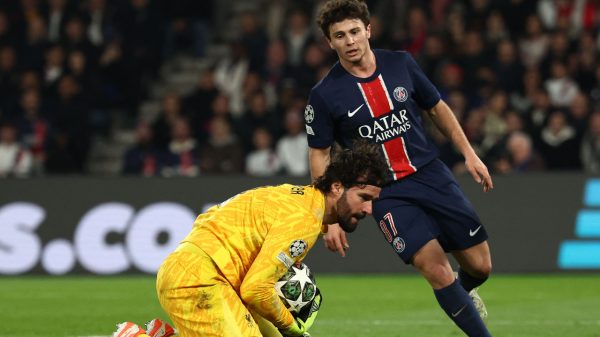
point(354, 305)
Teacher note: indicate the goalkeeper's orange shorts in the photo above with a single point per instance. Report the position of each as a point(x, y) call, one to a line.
point(198, 299)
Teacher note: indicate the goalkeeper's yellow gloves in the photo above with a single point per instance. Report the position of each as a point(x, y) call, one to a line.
point(305, 319)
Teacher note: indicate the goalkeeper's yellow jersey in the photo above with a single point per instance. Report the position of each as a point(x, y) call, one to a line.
point(255, 236)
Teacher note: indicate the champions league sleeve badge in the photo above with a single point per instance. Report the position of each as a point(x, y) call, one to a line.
point(297, 248)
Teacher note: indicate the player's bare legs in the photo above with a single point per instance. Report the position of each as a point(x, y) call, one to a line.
point(433, 264)
point(475, 260)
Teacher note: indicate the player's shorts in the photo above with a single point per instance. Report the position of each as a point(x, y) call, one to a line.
point(198, 298)
point(428, 204)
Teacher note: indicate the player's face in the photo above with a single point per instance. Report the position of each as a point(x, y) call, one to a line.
point(350, 39)
point(354, 204)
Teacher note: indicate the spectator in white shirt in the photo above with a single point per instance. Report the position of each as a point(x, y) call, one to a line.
point(15, 159)
point(262, 161)
point(292, 148)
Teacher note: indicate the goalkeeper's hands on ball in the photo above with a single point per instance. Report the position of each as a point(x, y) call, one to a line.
point(305, 319)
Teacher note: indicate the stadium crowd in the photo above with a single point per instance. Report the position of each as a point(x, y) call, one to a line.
point(522, 77)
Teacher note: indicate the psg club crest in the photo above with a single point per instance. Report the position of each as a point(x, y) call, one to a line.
point(297, 248)
point(400, 94)
point(398, 244)
point(309, 114)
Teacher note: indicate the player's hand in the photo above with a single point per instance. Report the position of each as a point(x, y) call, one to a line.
point(335, 239)
point(305, 319)
point(309, 313)
point(479, 172)
point(294, 330)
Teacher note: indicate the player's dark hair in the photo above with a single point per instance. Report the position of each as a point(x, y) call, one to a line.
point(335, 11)
point(364, 164)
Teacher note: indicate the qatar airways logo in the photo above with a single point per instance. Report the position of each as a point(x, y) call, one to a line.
point(386, 127)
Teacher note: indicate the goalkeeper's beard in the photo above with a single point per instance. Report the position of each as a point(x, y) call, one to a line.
point(346, 219)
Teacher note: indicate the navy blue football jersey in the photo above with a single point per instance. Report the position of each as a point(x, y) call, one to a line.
point(385, 108)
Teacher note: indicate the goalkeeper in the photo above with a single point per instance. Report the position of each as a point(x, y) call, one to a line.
point(220, 281)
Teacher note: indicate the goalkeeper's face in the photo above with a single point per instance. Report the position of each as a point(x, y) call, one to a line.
point(355, 204)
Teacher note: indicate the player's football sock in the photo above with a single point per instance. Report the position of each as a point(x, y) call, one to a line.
point(458, 306)
point(128, 329)
point(159, 328)
point(469, 282)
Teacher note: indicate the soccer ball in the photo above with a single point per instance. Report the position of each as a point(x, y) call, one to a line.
point(296, 288)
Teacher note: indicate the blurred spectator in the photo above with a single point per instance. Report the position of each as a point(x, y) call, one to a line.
point(496, 30)
point(171, 110)
point(9, 74)
point(56, 16)
point(53, 65)
point(561, 87)
point(34, 126)
point(590, 146)
point(183, 153)
point(292, 148)
point(219, 107)
point(508, 70)
point(307, 73)
point(254, 38)
point(494, 125)
point(222, 153)
point(473, 59)
point(187, 26)
point(7, 34)
point(579, 113)
point(196, 105)
point(595, 91)
point(451, 78)
point(583, 61)
point(262, 161)
point(522, 155)
point(379, 35)
point(274, 16)
point(297, 35)
point(230, 75)
point(434, 55)
point(572, 16)
point(76, 39)
point(534, 44)
point(258, 115)
point(276, 68)
point(477, 12)
point(539, 112)
point(139, 26)
point(99, 19)
point(114, 91)
point(15, 159)
point(34, 44)
point(71, 113)
point(416, 31)
point(523, 99)
point(558, 51)
point(559, 145)
point(142, 158)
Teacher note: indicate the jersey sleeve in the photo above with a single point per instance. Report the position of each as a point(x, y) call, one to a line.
point(319, 123)
point(290, 229)
point(426, 94)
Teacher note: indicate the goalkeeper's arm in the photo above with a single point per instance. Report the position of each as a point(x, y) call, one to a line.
point(305, 319)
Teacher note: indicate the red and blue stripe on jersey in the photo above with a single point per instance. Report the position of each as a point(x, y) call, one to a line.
point(378, 100)
point(384, 108)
